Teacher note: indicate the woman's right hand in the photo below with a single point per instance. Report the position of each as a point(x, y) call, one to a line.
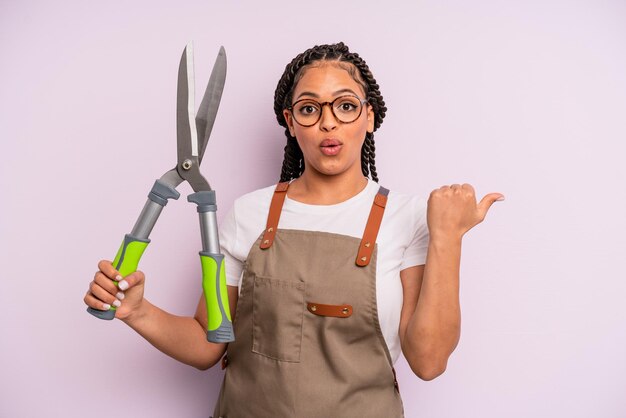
point(126, 296)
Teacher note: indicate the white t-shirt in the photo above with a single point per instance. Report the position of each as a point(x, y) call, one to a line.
point(402, 239)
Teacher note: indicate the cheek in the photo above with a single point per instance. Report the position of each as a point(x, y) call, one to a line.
point(300, 134)
point(303, 140)
point(361, 129)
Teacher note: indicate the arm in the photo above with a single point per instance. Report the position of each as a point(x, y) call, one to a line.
point(182, 338)
point(430, 322)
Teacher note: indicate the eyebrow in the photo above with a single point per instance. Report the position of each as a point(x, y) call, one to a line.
point(337, 93)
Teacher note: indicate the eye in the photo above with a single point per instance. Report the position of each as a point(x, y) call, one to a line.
point(347, 105)
point(307, 108)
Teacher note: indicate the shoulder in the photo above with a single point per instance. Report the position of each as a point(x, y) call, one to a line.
point(405, 213)
point(250, 210)
point(404, 200)
point(256, 197)
point(405, 205)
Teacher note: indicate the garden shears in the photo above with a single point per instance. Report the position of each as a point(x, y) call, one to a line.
point(193, 133)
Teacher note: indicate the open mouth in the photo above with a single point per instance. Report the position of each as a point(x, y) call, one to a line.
point(330, 147)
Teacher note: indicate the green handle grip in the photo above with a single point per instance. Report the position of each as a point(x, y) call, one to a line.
point(126, 262)
point(219, 323)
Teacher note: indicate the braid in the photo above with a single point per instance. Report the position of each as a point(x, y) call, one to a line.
point(368, 154)
point(365, 157)
point(293, 163)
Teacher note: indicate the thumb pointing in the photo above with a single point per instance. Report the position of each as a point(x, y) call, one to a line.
point(487, 201)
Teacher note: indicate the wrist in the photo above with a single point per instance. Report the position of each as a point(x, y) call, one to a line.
point(445, 239)
point(137, 315)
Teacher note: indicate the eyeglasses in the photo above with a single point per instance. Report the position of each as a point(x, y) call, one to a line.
point(346, 109)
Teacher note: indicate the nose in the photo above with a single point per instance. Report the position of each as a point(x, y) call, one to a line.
point(328, 122)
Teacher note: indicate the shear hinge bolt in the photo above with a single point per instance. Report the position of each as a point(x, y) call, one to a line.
point(187, 164)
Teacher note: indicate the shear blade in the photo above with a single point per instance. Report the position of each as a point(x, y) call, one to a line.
point(185, 108)
point(194, 130)
point(211, 101)
point(189, 127)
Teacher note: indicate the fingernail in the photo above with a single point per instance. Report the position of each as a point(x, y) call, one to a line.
point(123, 284)
point(106, 306)
point(501, 198)
point(120, 295)
point(117, 303)
point(118, 278)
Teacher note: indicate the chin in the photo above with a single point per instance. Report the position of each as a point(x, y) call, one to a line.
point(328, 167)
point(330, 172)
point(331, 167)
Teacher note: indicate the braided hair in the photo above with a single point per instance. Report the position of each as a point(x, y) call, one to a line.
point(293, 163)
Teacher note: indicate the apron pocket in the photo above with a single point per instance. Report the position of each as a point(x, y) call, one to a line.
point(277, 314)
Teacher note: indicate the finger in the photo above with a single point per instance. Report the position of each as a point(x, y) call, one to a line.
point(91, 301)
point(455, 186)
point(487, 201)
point(131, 280)
point(468, 191)
point(106, 283)
point(99, 293)
point(107, 268)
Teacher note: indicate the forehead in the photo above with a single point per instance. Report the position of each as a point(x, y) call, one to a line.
point(326, 78)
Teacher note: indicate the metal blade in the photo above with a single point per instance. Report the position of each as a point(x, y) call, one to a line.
point(188, 166)
point(187, 137)
point(211, 102)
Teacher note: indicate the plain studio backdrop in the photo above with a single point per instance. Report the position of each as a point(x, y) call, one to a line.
point(526, 98)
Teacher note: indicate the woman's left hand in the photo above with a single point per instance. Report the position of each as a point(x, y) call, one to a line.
point(452, 210)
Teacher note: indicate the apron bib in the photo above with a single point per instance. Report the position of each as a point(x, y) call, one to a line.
point(308, 340)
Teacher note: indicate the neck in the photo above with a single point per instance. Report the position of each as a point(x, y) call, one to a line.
point(319, 189)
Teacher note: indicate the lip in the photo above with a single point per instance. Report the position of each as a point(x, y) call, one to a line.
point(331, 146)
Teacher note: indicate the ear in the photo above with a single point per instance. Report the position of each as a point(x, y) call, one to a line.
point(289, 119)
point(371, 117)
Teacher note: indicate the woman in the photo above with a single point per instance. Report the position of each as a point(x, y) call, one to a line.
point(344, 275)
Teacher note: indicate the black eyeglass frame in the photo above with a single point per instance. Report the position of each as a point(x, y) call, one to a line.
point(332, 110)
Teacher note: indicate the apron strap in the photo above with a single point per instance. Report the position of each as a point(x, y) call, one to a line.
point(274, 215)
point(366, 248)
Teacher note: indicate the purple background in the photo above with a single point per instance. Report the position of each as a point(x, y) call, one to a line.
point(524, 98)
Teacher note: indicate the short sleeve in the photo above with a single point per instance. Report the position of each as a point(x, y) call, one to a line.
point(228, 241)
point(416, 251)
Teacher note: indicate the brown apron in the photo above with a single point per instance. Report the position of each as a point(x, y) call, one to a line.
point(308, 340)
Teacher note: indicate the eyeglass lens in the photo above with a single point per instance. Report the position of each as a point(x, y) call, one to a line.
point(346, 109)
